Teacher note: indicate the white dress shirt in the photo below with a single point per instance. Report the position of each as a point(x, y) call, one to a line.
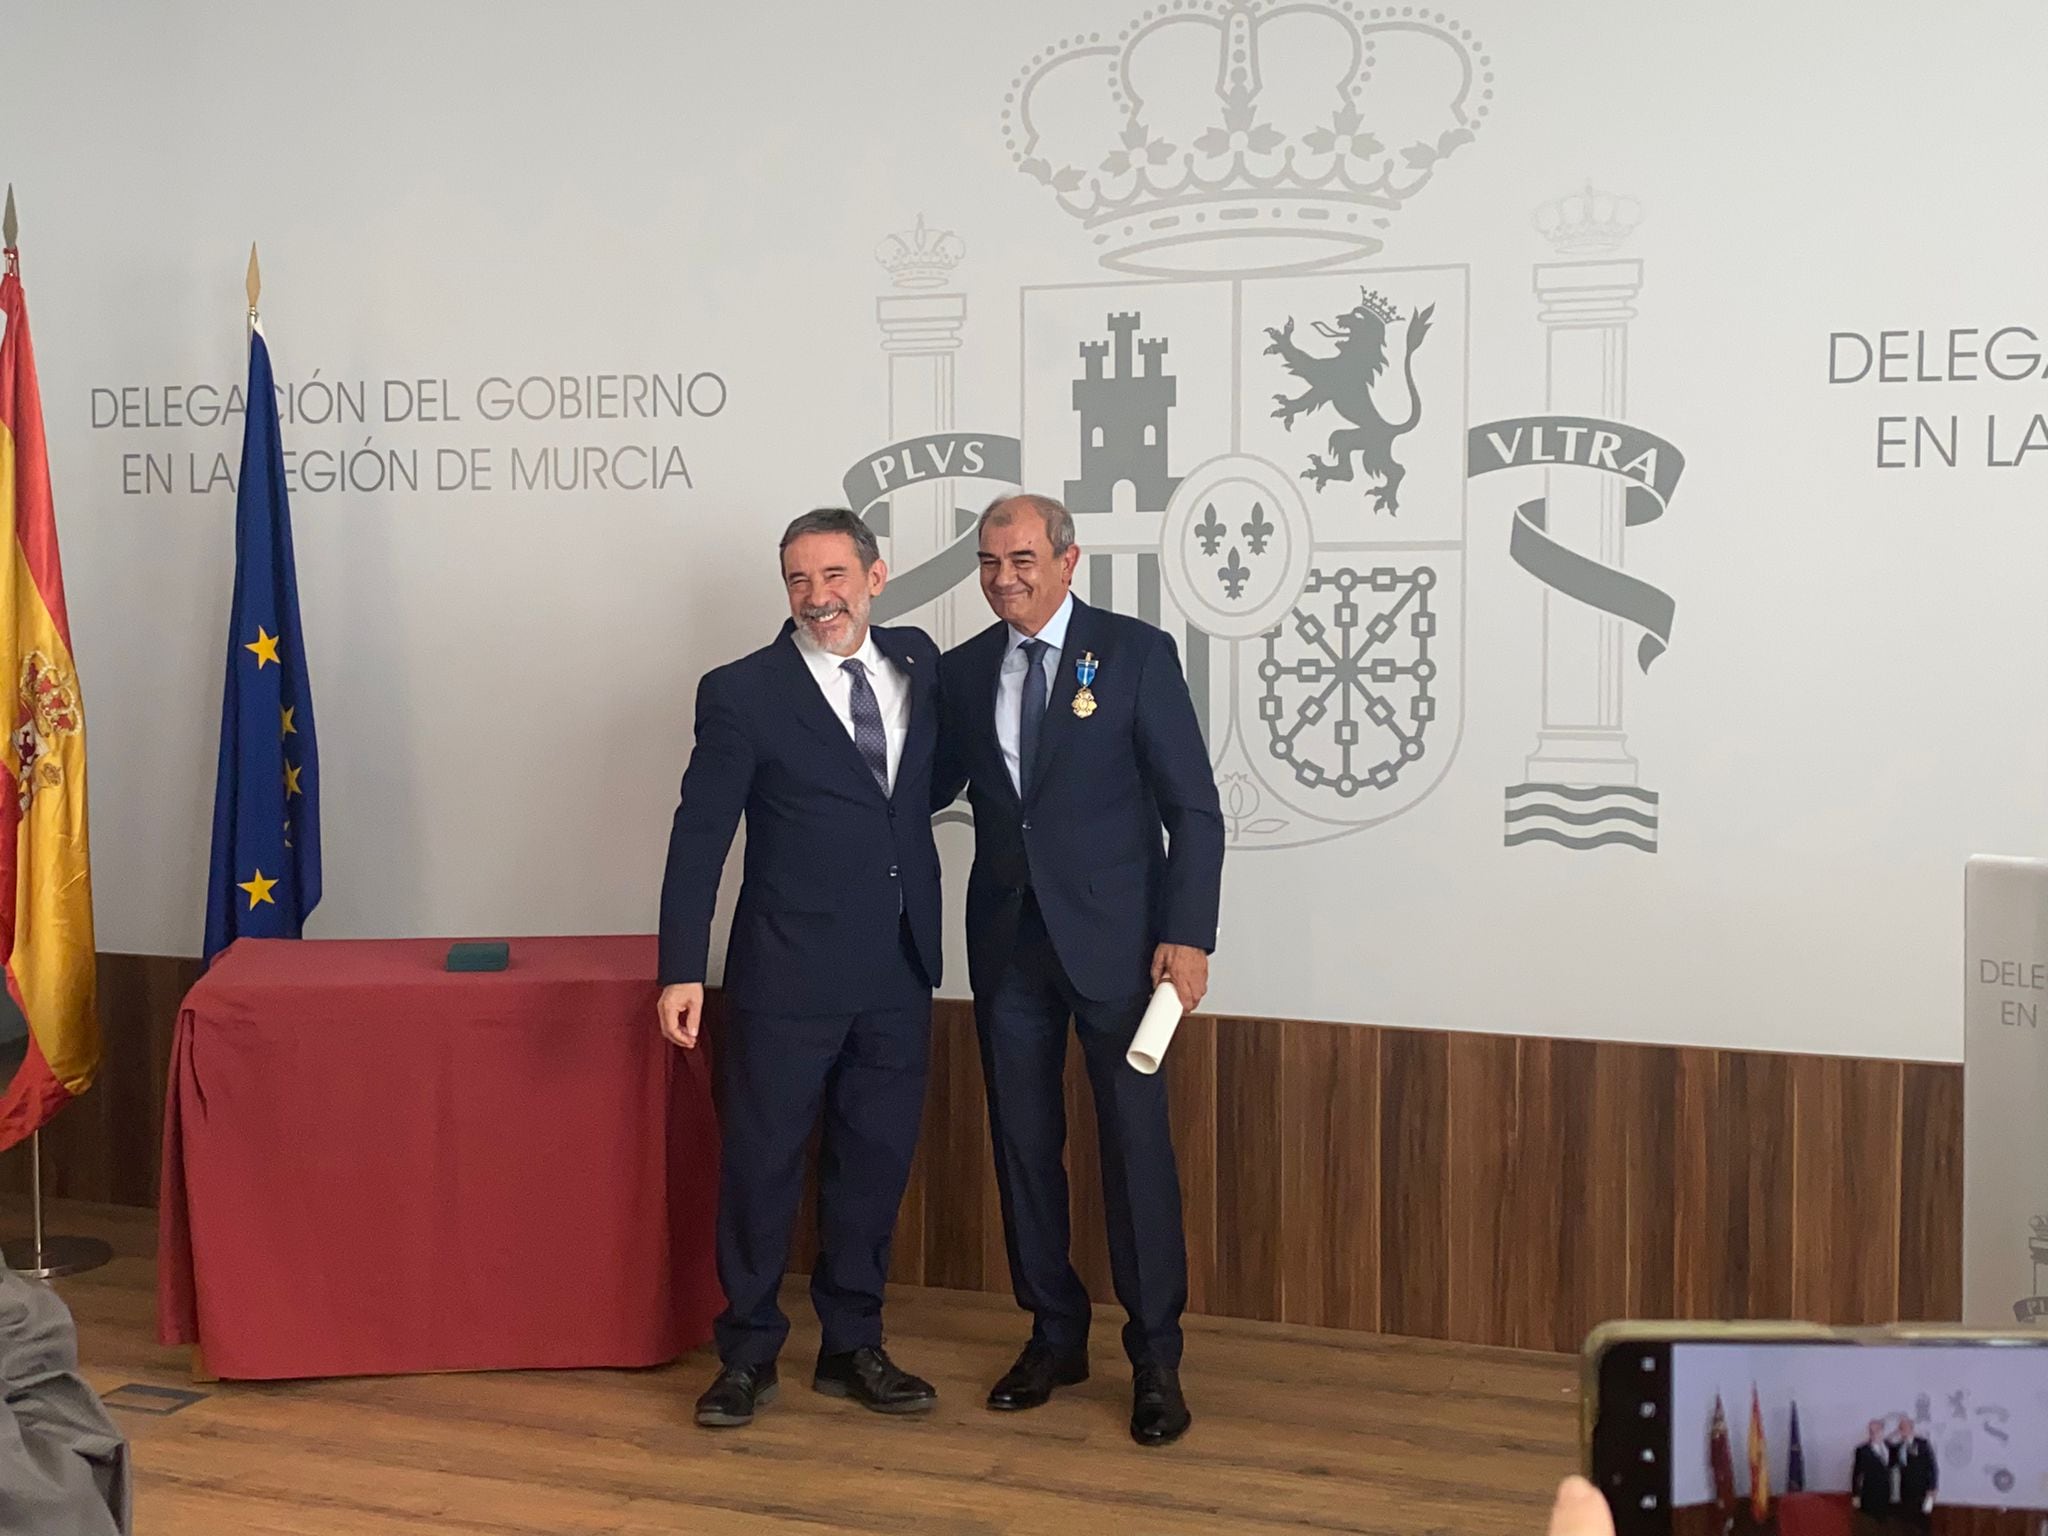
point(892, 689)
point(1010, 683)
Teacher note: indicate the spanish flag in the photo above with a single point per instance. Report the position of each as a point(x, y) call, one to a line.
point(45, 877)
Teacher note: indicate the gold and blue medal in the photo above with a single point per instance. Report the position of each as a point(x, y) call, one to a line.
point(1084, 673)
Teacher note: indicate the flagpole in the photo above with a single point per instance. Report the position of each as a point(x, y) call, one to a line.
point(43, 1257)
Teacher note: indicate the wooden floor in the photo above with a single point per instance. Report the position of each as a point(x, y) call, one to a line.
point(1296, 1429)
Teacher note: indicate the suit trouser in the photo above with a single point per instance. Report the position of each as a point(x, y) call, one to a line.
point(866, 1071)
point(1022, 1023)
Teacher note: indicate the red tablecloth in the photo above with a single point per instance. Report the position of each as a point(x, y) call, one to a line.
point(374, 1166)
point(1815, 1514)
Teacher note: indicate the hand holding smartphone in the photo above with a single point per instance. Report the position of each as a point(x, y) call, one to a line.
point(1580, 1511)
point(1774, 1429)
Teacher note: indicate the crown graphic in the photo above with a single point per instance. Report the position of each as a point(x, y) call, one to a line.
point(1377, 305)
point(1586, 223)
point(921, 257)
point(1247, 135)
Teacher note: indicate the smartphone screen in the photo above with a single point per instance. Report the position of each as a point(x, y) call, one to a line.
point(1823, 1438)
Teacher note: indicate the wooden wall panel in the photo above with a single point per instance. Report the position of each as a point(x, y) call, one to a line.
point(1191, 1093)
point(1931, 1194)
point(1698, 1141)
point(1566, 1190)
point(1415, 1183)
point(1845, 1163)
point(1329, 1176)
point(1734, 1154)
point(1644, 1092)
point(107, 1146)
point(1757, 1252)
point(1501, 1189)
point(1248, 1171)
point(1483, 1254)
point(956, 1147)
point(1592, 1095)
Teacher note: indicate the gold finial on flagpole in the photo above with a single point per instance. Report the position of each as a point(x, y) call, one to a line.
point(255, 280)
point(9, 228)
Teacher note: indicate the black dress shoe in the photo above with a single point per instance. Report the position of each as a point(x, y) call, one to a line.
point(730, 1401)
point(1030, 1381)
point(1159, 1414)
point(873, 1380)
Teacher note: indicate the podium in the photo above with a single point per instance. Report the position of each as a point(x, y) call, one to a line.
point(2005, 1091)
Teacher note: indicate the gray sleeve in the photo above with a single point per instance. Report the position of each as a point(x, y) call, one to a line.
point(63, 1465)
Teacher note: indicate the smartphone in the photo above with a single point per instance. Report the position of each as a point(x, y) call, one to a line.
point(1729, 1429)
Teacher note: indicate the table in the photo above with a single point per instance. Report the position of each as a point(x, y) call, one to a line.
point(373, 1166)
point(1816, 1514)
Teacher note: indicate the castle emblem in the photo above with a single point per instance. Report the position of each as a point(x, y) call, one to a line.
point(1123, 421)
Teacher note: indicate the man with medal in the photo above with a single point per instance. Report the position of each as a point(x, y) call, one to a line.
point(1098, 861)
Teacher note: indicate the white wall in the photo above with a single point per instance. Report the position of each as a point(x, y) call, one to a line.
point(1961, 1399)
point(1847, 709)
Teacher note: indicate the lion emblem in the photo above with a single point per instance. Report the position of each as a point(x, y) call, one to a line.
point(1345, 381)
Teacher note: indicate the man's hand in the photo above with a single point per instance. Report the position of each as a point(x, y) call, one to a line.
point(681, 1010)
point(1186, 967)
point(1580, 1511)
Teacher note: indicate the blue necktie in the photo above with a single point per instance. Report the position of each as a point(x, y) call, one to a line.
point(868, 734)
point(1031, 712)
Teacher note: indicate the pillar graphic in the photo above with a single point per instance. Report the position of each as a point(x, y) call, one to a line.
point(1585, 308)
point(920, 335)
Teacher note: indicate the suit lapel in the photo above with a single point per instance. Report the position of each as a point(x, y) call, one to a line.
point(924, 723)
point(988, 666)
point(807, 701)
point(1059, 708)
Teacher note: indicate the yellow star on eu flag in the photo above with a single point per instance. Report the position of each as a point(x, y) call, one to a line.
point(264, 646)
point(291, 779)
point(259, 890)
point(287, 710)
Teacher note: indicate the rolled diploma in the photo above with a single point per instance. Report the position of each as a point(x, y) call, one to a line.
point(1155, 1030)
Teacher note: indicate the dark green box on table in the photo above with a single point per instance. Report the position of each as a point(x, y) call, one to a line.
point(494, 956)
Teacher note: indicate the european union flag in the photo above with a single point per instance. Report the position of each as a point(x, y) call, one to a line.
point(266, 800)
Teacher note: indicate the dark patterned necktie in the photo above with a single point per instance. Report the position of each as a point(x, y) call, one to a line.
point(1031, 710)
point(868, 734)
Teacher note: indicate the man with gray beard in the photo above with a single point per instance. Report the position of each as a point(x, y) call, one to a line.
point(824, 741)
